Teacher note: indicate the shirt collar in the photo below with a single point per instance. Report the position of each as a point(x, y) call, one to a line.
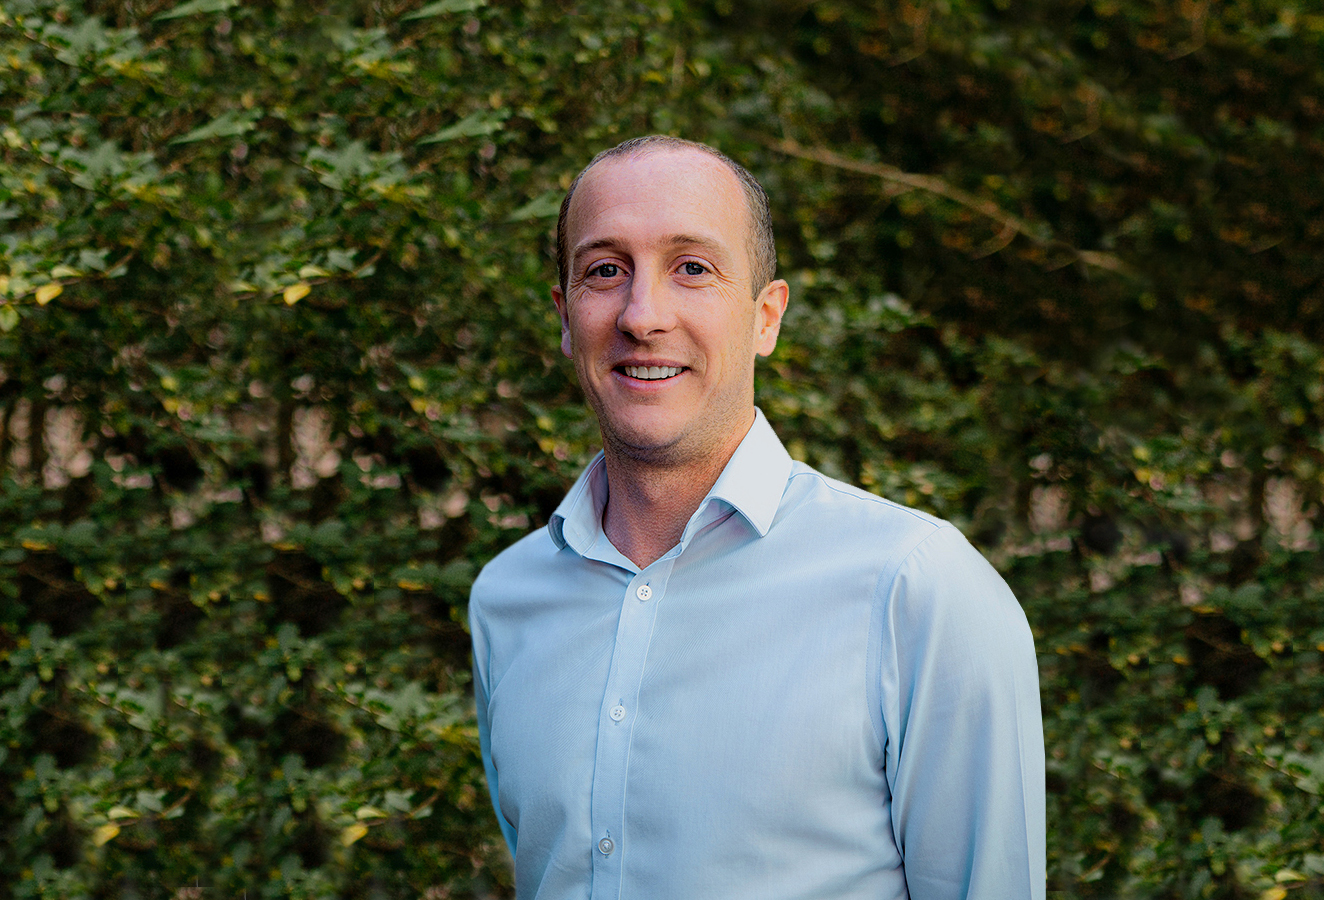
point(752, 484)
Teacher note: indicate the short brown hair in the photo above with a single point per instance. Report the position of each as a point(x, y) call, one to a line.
point(762, 249)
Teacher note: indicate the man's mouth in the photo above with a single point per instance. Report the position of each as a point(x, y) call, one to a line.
point(652, 373)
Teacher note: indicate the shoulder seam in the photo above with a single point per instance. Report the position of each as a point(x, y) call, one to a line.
point(831, 485)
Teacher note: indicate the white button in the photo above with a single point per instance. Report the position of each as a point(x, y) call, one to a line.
point(644, 592)
point(617, 713)
point(606, 845)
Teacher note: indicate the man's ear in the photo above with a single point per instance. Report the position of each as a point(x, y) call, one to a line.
point(559, 299)
point(771, 304)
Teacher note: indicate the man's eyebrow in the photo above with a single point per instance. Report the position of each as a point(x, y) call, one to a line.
point(675, 240)
point(599, 244)
point(689, 240)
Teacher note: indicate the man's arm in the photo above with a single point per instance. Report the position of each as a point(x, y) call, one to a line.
point(965, 749)
point(485, 723)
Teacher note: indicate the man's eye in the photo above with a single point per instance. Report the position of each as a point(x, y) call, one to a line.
point(606, 270)
point(693, 268)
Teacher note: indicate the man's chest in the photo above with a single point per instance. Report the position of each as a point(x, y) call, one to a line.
point(700, 697)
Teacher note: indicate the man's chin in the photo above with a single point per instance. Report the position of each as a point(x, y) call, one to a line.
point(646, 445)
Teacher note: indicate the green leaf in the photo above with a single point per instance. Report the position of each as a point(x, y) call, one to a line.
point(543, 206)
point(474, 125)
point(194, 7)
point(441, 7)
point(230, 123)
point(8, 318)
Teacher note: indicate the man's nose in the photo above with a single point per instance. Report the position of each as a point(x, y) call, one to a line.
point(647, 311)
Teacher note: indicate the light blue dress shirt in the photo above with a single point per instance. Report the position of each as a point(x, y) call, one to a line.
point(817, 693)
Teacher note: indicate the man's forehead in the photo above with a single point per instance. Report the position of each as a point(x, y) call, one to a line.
point(687, 180)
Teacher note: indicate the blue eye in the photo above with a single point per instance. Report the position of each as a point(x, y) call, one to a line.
point(693, 268)
point(606, 270)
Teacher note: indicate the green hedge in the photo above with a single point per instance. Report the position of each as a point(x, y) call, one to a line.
point(278, 373)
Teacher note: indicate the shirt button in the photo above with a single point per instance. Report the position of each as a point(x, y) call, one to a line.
point(644, 592)
point(617, 713)
point(606, 845)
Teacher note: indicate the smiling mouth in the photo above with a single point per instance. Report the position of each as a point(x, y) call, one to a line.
point(652, 373)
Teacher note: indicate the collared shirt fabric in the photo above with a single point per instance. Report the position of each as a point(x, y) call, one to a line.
point(817, 694)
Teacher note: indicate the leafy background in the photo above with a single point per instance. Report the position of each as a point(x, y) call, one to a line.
point(278, 373)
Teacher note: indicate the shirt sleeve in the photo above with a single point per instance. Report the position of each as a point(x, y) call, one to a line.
point(485, 722)
point(964, 737)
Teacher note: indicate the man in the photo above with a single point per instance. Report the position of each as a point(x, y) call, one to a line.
point(717, 673)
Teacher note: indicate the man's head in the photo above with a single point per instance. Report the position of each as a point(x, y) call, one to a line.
point(663, 306)
point(762, 249)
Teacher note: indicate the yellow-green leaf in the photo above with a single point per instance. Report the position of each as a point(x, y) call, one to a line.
point(353, 833)
point(1284, 875)
point(8, 318)
point(122, 812)
point(369, 812)
point(441, 7)
point(48, 292)
point(296, 292)
point(63, 271)
point(104, 834)
point(1278, 892)
point(477, 124)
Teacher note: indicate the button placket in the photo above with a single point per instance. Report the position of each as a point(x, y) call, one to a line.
point(639, 603)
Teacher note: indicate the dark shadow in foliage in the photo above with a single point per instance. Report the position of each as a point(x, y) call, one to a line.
point(1244, 562)
point(1101, 534)
point(300, 729)
point(258, 479)
point(1100, 677)
point(1219, 792)
point(311, 840)
point(61, 735)
point(427, 468)
point(1219, 658)
point(179, 470)
point(453, 539)
point(448, 641)
point(203, 757)
point(324, 499)
point(546, 499)
point(179, 616)
point(49, 593)
point(64, 840)
point(1174, 545)
point(988, 531)
point(77, 498)
point(300, 595)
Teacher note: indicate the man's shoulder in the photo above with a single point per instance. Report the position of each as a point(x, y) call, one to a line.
point(810, 492)
point(522, 559)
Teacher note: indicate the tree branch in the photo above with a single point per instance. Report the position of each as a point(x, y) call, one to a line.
point(1011, 225)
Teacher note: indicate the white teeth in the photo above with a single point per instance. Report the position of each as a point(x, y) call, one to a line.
point(651, 373)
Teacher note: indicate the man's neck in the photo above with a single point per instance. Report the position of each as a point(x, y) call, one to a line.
point(649, 504)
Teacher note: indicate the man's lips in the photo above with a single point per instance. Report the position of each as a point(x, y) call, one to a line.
point(650, 373)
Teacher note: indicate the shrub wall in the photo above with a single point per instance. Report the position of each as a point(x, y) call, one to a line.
point(278, 373)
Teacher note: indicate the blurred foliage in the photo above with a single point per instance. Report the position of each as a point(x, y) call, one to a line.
point(279, 373)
